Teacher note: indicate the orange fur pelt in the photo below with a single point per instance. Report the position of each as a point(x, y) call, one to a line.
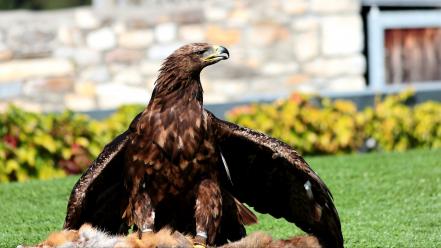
point(87, 236)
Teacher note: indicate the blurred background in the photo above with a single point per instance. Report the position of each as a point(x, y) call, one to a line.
point(328, 77)
point(340, 70)
point(99, 54)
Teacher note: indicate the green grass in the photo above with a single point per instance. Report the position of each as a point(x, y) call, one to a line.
point(384, 200)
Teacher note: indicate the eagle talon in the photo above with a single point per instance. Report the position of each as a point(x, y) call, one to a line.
point(199, 245)
point(199, 240)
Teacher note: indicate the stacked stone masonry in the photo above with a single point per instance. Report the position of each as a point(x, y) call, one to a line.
point(87, 58)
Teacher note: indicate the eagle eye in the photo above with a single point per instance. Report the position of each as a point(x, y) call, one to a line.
point(200, 52)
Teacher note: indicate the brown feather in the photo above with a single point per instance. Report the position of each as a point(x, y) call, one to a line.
point(271, 177)
point(103, 177)
point(246, 217)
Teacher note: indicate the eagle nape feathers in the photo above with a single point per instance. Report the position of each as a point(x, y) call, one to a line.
point(179, 166)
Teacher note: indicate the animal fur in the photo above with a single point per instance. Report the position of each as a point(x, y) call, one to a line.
point(87, 237)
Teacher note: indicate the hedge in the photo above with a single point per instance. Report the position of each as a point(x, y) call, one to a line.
point(315, 125)
point(54, 145)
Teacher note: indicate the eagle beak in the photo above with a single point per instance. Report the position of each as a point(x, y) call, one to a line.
point(215, 54)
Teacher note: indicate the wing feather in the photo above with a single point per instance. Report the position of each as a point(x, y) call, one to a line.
point(99, 196)
point(273, 178)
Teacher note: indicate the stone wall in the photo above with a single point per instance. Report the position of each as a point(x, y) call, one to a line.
point(87, 58)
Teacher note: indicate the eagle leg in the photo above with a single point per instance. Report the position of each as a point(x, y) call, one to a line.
point(208, 211)
point(143, 213)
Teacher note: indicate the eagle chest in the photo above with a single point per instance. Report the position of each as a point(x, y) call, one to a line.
point(172, 155)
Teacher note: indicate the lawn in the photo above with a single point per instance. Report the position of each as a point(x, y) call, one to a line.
point(384, 200)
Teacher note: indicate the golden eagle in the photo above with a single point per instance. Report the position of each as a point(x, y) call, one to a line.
point(179, 166)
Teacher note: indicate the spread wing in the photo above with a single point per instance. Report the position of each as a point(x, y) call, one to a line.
point(99, 196)
point(273, 178)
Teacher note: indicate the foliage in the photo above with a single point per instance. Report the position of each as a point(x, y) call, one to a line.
point(53, 145)
point(41, 4)
point(397, 127)
point(316, 125)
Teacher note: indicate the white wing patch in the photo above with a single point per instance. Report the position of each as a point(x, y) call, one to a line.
point(226, 168)
point(307, 186)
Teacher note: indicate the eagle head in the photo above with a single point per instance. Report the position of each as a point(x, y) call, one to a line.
point(194, 57)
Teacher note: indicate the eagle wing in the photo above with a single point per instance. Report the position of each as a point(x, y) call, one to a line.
point(99, 196)
point(270, 176)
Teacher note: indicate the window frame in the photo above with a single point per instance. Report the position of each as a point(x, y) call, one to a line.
point(378, 22)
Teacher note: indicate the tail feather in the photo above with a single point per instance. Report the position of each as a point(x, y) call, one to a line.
point(246, 216)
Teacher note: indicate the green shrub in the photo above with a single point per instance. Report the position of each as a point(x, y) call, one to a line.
point(316, 125)
point(54, 145)
point(395, 126)
point(311, 127)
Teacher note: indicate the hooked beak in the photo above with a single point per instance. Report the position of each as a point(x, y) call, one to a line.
point(215, 54)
